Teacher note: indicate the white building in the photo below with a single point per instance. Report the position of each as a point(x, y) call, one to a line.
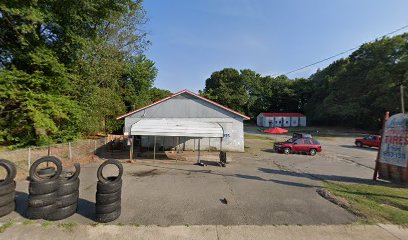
point(186, 120)
point(281, 120)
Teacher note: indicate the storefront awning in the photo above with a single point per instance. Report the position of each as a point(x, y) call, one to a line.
point(176, 128)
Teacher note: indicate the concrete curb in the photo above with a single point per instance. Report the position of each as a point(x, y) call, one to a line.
point(101, 232)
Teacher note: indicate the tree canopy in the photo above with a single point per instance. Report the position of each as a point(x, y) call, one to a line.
point(354, 91)
point(68, 70)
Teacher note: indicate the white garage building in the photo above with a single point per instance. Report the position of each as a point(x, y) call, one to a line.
point(185, 120)
point(281, 120)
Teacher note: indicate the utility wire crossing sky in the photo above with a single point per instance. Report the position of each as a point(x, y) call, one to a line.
point(192, 39)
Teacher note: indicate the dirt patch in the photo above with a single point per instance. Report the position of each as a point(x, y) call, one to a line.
point(151, 172)
point(341, 202)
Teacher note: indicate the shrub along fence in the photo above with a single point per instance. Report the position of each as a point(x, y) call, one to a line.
point(82, 151)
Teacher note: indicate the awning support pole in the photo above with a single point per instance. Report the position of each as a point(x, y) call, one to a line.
point(198, 159)
point(154, 149)
point(131, 149)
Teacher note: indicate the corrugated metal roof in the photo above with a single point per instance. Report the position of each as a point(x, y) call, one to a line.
point(176, 128)
point(282, 114)
point(191, 93)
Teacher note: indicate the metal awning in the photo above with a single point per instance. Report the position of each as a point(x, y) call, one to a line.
point(176, 128)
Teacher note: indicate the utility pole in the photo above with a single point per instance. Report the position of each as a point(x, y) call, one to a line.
point(402, 98)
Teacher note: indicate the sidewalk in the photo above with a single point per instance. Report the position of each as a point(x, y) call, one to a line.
point(36, 231)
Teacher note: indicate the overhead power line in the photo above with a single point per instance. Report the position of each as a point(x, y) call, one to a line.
point(341, 53)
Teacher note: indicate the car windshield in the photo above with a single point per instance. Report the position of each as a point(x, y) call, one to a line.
point(291, 140)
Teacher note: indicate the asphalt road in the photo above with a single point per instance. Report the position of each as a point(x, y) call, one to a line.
point(261, 188)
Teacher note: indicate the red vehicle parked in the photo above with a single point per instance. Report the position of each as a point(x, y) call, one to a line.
point(369, 141)
point(299, 145)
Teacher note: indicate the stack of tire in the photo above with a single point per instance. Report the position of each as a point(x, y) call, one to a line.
point(108, 194)
point(67, 196)
point(7, 188)
point(43, 189)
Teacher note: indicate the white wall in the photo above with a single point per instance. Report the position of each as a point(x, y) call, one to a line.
point(259, 120)
point(294, 121)
point(233, 139)
point(302, 121)
point(286, 121)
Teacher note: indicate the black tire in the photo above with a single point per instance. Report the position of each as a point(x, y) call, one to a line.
point(48, 171)
point(7, 198)
point(40, 212)
point(8, 188)
point(6, 209)
point(108, 217)
point(43, 187)
point(10, 169)
point(286, 151)
point(103, 179)
point(312, 151)
point(106, 198)
point(42, 200)
point(67, 200)
point(359, 144)
point(73, 176)
point(107, 208)
point(33, 169)
point(109, 187)
point(68, 187)
point(62, 213)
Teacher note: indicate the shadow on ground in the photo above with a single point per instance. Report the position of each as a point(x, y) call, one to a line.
point(362, 148)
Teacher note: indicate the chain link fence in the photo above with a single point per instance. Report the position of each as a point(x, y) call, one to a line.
point(82, 151)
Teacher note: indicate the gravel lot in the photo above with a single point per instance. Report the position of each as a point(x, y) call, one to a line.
point(261, 188)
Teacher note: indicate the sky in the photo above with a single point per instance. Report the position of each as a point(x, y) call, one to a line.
point(193, 38)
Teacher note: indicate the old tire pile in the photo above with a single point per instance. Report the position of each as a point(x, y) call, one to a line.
point(67, 196)
point(7, 188)
point(108, 194)
point(43, 190)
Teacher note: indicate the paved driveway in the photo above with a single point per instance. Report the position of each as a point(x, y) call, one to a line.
point(261, 188)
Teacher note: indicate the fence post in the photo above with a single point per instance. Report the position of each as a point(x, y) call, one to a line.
point(70, 151)
point(29, 158)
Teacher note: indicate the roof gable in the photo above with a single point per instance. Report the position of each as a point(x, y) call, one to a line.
point(190, 93)
point(282, 114)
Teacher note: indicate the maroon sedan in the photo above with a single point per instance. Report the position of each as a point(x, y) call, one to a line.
point(299, 145)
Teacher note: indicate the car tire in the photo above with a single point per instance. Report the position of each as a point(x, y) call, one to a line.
point(107, 208)
point(7, 198)
point(67, 200)
point(10, 169)
point(286, 151)
point(42, 200)
point(62, 213)
point(109, 187)
point(34, 176)
point(40, 212)
point(108, 217)
point(312, 152)
point(103, 179)
point(359, 144)
point(68, 187)
point(106, 198)
point(48, 171)
point(7, 209)
point(8, 188)
point(43, 187)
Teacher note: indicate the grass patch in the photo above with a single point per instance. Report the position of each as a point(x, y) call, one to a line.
point(250, 136)
point(378, 203)
point(28, 221)
point(6, 225)
point(46, 223)
point(67, 226)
